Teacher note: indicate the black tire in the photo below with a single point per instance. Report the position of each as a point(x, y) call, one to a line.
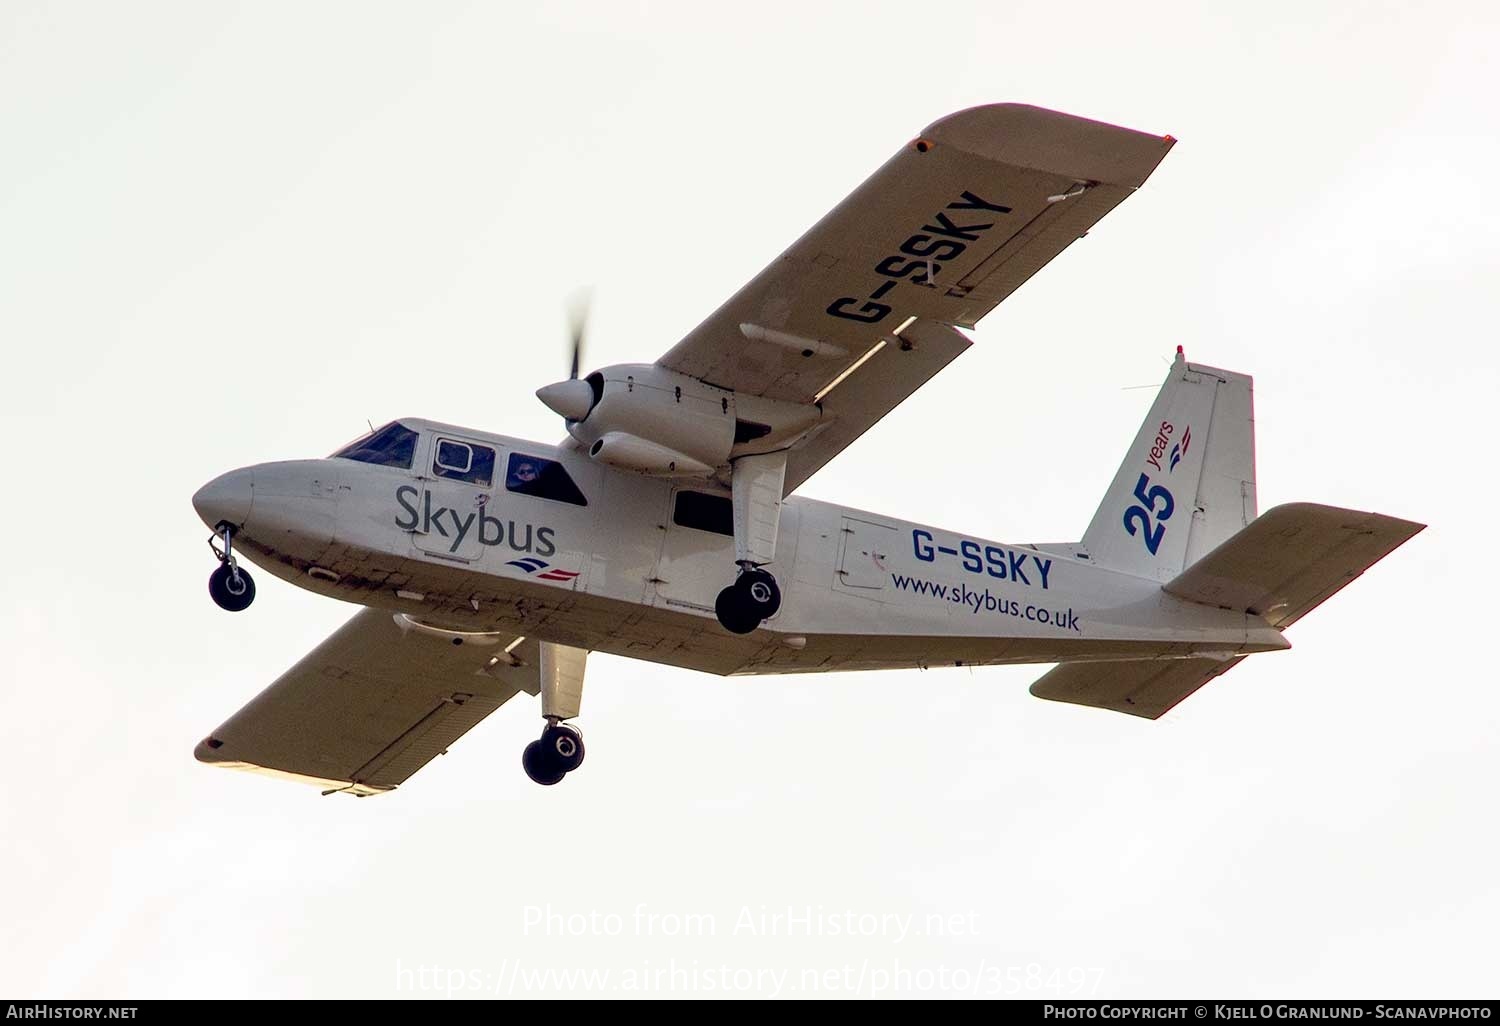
point(734, 613)
point(231, 593)
point(539, 766)
point(564, 745)
point(762, 593)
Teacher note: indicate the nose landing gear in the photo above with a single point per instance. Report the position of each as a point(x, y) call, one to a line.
point(558, 753)
point(229, 586)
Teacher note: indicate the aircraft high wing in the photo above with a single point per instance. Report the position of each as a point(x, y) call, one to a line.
point(950, 226)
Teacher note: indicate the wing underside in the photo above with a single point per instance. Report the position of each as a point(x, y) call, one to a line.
point(375, 702)
point(948, 228)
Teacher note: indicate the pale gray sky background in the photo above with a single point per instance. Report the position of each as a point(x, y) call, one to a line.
point(231, 233)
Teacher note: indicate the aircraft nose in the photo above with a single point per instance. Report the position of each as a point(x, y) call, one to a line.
point(225, 499)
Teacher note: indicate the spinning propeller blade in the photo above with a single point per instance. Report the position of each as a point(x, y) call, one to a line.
point(572, 399)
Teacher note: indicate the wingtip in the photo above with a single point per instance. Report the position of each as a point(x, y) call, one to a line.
point(1053, 141)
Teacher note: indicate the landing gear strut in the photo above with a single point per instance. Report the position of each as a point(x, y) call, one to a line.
point(560, 749)
point(754, 596)
point(229, 586)
point(755, 494)
point(558, 753)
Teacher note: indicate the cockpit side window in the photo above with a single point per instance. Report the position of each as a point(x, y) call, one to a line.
point(391, 446)
point(464, 461)
point(453, 457)
point(543, 478)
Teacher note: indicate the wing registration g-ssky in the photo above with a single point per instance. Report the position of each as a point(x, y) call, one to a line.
point(667, 526)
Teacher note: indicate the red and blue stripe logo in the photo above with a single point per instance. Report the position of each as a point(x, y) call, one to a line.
point(1180, 449)
point(542, 570)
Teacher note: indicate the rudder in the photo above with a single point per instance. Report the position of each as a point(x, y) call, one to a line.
point(1188, 480)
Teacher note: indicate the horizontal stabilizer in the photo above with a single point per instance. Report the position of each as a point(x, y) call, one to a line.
point(1291, 560)
point(1140, 687)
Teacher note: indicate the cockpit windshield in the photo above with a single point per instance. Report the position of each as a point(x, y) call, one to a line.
point(391, 446)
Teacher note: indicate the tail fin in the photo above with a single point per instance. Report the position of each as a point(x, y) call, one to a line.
point(1188, 480)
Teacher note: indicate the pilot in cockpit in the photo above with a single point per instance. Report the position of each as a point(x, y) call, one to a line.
point(522, 473)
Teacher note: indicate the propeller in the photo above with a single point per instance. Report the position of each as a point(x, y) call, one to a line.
point(578, 322)
point(572, 399)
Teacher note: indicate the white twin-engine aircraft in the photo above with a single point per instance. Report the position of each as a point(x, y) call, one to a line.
point(665, 528)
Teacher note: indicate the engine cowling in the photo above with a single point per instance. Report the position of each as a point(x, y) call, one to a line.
point(651, 420)
point(671, 410)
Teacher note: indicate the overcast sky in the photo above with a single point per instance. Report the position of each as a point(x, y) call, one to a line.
point(231, 233)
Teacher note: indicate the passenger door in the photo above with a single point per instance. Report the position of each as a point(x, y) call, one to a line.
point(457, 486)
point(697, 550)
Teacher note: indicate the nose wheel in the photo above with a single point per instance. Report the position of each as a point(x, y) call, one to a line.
point(754, 596)
point(230, 586)
point(557, 753)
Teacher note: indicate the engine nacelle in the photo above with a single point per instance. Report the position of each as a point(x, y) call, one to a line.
point(645, 418)
point(677, 413)
point(627, 452)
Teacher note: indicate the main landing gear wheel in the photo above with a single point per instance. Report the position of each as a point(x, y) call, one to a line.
point(558, 753)
point(229, 586)
point(754, 596)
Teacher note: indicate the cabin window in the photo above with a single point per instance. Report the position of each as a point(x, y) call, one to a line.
point(543, 478)
point(392, 446)
point(460, 461)
point(704, 512)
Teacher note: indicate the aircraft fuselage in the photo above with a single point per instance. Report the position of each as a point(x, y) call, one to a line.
point(635, 570)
